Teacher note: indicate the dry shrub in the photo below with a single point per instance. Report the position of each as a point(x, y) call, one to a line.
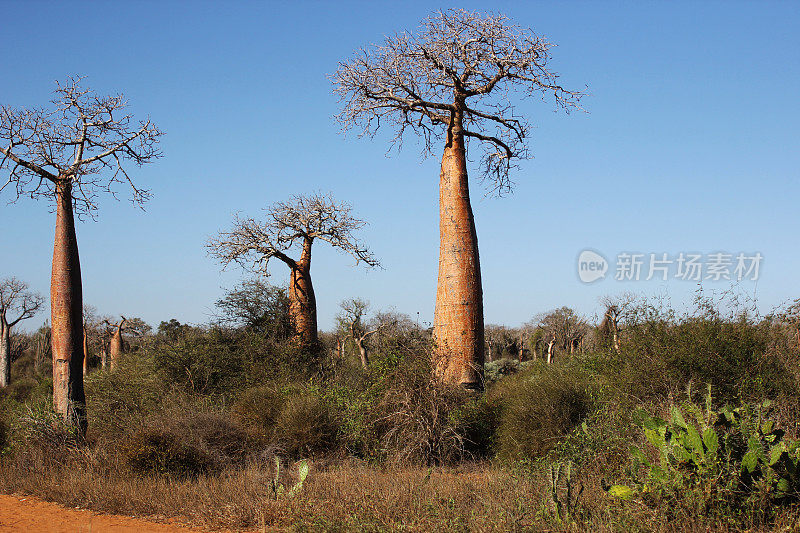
point(120, 399)
point(258, 408)
point(305, 426)
point(156, 451)
point(293, 418)
point(20, 390)
point(414, 417)
point(540, 407)
point(185, 442)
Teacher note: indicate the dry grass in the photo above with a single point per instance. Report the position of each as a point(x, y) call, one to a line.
point(342, 496)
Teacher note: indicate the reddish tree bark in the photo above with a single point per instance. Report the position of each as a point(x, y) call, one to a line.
point(298, 222)
point(115, 344)
point(458, 320)
point(85, 352)
point(66, 308)
point(422, 81)
point(302, 302)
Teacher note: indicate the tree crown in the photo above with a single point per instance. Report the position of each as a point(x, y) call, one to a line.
point(15, 297)
point(301, 220)
point(459, 70)
point(84, 140)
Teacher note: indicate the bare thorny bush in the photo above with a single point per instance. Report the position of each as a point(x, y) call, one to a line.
point(415, 417)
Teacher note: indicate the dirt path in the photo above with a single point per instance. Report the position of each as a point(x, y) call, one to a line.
point(21, 513)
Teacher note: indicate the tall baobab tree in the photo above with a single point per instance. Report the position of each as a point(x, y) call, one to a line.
point(289, 226)
point(68, 154)
point(17, 303)
point(453, 81)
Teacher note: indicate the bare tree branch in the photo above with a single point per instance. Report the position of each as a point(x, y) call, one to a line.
point(16, 298)
point(301, 220)
point(80, 139)
point(457, 62)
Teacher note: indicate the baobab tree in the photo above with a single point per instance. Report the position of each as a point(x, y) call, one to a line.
point(354, 326)
point(68, 154)
point(289, 226)
point(616, 310)
point(17, 303)
point(115, 344)
point(453, 82)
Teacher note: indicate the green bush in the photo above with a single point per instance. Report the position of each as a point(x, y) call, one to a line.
point(495, 370)
point(716, 461)
point(3, 435)
point(476, 422)
point(204, 362)
point(539, 407)
point(120, 399)
point(37, 425)
point(734, 353)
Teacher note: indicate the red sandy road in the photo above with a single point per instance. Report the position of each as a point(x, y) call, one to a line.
point(22, 513)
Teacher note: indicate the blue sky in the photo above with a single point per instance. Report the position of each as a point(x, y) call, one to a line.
point(690, 145)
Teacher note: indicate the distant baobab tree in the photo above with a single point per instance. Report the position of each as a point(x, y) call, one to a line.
point(17, 303)
point(115, 343)
point(292, 225)
point(68, 154)
point(453, 81)
point(353, 325)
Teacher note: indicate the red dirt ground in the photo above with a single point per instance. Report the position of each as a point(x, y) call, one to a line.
point(22, 513)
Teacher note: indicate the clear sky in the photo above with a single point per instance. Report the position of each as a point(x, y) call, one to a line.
point(690, 145)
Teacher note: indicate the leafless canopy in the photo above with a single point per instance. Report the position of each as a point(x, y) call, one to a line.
point(16, 298)
point(300, 221)
point(457, 64)
point(84, 139)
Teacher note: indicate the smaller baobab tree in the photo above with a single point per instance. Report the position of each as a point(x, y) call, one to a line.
point(17, 303)
point(289, 227)
point(115, 343)
point(616, 311)
point(453, 83)
point(68, 154)
point(353, 324)
point(562, 330)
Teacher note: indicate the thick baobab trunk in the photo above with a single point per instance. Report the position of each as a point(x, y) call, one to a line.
point(66, 307)
point(458, 320)
point(302, 302)
point(5, 355)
